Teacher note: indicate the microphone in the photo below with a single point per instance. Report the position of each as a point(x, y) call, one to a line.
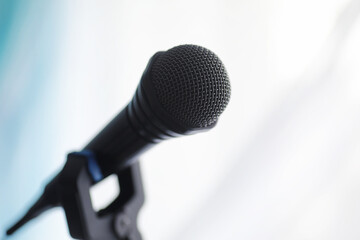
point(182, 91)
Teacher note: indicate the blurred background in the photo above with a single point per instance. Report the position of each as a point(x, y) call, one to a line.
point(283, 161)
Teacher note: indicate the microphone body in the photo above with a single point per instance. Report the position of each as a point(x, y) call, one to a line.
point(118, 144)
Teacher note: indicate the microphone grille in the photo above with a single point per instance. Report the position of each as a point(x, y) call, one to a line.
point(191, 83)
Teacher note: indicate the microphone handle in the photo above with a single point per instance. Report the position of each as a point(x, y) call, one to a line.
point(118, 144)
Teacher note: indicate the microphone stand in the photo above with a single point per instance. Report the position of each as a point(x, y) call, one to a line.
point(70, 189)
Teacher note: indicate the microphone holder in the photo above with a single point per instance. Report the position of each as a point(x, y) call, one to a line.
point(70, 189)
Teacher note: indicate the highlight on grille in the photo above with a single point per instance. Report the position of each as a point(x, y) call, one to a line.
point(191, 84)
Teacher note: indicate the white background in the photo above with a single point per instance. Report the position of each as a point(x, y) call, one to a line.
point(283, 161)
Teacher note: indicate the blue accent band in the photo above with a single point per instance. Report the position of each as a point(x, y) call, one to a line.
point(93, 166)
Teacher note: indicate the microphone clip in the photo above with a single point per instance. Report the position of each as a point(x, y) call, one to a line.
point(70, 189)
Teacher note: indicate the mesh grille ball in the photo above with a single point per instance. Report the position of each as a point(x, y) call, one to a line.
point(191, 83)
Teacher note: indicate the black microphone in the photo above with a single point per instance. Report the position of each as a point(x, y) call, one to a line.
point(182, 91)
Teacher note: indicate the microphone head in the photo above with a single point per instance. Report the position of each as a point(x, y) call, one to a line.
point(191, 84)
point(186, 87)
